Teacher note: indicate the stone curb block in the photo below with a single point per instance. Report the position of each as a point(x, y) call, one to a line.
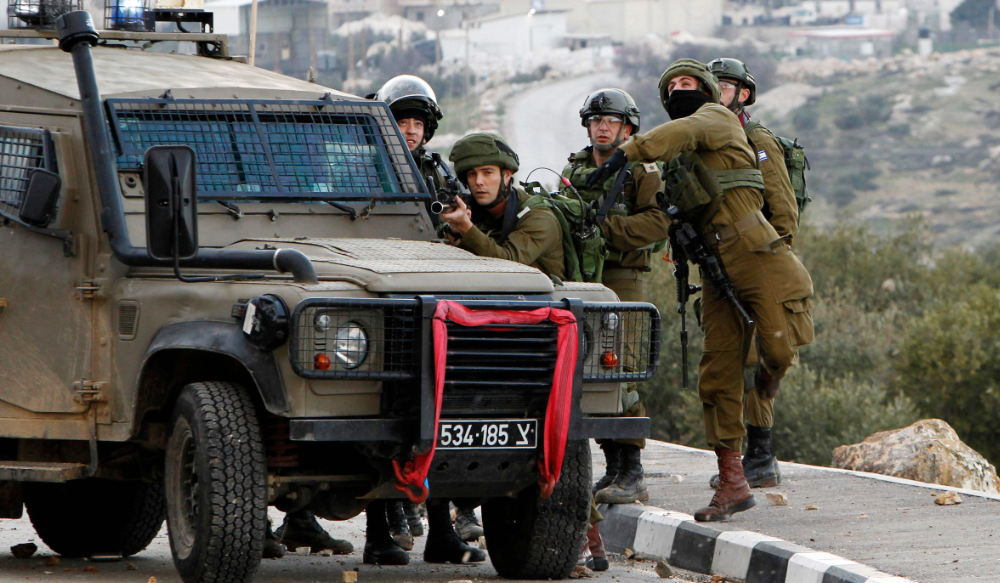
point(736, 554)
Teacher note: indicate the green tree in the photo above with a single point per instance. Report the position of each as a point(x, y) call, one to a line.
point(975, 13)
point(950, 365)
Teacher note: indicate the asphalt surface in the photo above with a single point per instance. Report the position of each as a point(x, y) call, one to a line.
point(892, 527)
point(543, 124)
point(156, 562)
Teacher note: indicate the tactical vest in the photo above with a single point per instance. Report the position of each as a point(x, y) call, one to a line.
point(698, 191)
point(577, 173)
point(795, 162)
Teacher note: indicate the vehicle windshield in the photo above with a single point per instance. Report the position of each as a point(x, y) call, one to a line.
point(266, 150)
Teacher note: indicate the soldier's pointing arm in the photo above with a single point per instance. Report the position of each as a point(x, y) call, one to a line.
point(706, 129)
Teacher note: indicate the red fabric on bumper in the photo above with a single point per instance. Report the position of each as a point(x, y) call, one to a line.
point(411, 477)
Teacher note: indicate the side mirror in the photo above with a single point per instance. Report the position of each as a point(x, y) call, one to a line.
point(171, 202)
point(38, 206)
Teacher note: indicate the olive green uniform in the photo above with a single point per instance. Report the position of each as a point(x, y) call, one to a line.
point(783, 214)
point(766, 274)
point(631, 233)
point(536, 239)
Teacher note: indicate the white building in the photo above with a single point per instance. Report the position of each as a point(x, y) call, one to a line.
point(630, 20)
point(506, 35)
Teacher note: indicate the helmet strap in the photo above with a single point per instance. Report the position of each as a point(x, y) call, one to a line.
point(503, 194)
point(735, 106)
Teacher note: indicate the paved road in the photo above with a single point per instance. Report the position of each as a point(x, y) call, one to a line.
point(893, 527)
point(543, 125)
point(156, 562)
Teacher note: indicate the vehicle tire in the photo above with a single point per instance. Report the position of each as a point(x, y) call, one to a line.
point(530, 538)
point(216, 485)
point(95, 516)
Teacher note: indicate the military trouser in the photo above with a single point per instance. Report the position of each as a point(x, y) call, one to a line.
point(595, 514)
point(627, 283)
point(757, 411)
point(776, 289)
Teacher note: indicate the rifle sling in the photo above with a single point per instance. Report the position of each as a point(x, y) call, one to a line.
point(616, 189)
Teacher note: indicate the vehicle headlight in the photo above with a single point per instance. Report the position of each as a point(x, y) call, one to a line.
point(610, 321)
point(351, 345)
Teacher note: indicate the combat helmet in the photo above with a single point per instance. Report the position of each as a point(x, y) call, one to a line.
point(410, 96)
point(611, 100)
point(482, 149)
point(691, 68)
point(735, 70)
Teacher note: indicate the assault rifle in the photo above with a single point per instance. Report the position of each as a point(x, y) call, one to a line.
point(446, 197)
point(687, 245)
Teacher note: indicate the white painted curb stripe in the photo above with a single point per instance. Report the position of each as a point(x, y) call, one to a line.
point(810, 567)
point(654, 533)
point(733, 550)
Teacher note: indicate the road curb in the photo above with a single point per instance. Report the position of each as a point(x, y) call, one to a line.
point(752, 557)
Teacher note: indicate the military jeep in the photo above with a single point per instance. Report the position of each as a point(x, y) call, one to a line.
point(279, 340)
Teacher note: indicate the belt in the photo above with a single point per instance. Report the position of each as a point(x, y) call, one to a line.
point(744, 224)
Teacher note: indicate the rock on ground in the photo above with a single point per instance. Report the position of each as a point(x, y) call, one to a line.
point(927, 451)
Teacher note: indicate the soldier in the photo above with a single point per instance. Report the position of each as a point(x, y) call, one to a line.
point(414, 106)
point(632, 230)
point(767, 276)
point(738, 90)
point(500, 224)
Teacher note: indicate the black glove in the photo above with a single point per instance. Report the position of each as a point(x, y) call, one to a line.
point(608, 169)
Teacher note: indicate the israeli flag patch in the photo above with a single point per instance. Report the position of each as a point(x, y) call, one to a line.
point(762, 156)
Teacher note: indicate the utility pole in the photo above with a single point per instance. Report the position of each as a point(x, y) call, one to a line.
point(253, 33)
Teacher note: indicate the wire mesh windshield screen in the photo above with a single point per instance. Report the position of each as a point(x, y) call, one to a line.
point(21, 151)
point(256, 149)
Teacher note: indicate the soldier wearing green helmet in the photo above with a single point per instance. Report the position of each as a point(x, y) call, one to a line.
point(634, 228)
point(739, 89)
point(498, 222)
point(768, 278)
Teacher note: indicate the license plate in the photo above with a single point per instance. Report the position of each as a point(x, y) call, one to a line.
point(488, 434)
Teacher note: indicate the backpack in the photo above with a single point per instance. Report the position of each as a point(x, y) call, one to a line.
point(584, 247)
point(796, 164)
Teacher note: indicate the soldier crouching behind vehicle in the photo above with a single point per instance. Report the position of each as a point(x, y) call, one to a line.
point(499, 223)
point(768, 278)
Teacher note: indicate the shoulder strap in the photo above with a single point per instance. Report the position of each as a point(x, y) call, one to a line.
point(616, 189)
point(510, 213)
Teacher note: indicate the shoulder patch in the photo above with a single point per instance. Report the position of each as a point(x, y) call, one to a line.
point(762, 156)
point(523, 212)
point(650, 167)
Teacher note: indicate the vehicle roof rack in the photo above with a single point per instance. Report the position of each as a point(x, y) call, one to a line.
point(209, 44)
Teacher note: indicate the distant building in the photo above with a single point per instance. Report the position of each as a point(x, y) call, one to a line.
point(342, 11)
point(291, 34)
point(629, 20)
point(510, 35)
point(445, 14)
point(847, 42)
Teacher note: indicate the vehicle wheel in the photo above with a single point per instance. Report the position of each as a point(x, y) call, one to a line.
point(215, 485)
point(94, 516)
point(530, 538)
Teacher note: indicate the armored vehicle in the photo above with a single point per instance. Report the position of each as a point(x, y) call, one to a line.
point(291, 334)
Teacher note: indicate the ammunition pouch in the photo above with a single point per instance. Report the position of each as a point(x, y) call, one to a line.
point(697, 190)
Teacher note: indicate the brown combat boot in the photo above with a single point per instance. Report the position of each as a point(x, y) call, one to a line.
point(733, 494)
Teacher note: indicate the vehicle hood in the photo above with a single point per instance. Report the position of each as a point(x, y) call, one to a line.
point(396, 265)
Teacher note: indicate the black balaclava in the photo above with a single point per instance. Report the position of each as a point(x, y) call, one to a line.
point(684, 102)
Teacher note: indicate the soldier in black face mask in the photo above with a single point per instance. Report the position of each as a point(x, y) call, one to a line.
point(767, 277)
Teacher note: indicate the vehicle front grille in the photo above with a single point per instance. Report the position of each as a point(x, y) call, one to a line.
point(499, 369)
